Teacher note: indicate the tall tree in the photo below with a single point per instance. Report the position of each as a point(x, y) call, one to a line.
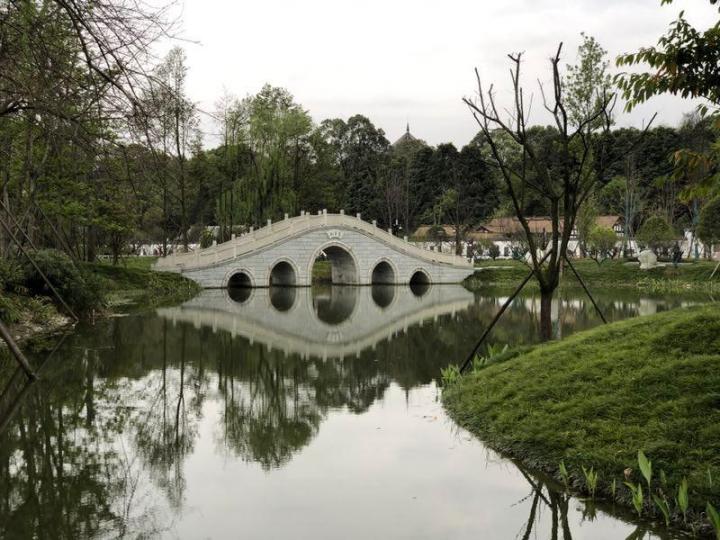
point(470, 194)
point(179, 116)
point(563, 169)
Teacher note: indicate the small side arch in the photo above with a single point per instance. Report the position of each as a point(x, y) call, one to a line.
point(384, 272)
point(419, 282)
point(283, 272)
point(239, 278)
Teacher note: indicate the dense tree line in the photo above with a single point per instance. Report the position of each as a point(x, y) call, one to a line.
point(101, 148)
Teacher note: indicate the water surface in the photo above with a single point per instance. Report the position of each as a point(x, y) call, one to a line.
point(283, 413)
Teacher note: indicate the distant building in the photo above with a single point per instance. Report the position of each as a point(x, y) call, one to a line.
point(406, 137)
point(506, 233)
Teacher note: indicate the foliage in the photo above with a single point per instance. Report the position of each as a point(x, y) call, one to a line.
point(141, 288)
point(637, 496)
point(588, 82)
point(682, 500)
point(11, 274)
point(586, 222)
point(564, 475)
point(80, 289)
point(708, 229)
point(561, 164)
point(714, 518)
point(591, 480)
point(601, 243)
point(645, 466)
point(450, 375)
point(657, 397)
point(206, 238)
point(685, 62)
point(656, 233)
point(612, 273)
point(494, 251)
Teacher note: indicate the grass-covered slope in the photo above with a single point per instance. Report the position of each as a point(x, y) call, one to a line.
point(612, 273)
point(142, 287)
point(596, 398)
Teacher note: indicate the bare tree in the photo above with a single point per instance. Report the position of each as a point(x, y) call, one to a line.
point(563, 171)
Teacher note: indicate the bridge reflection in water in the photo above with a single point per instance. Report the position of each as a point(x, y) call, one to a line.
point(327, 322)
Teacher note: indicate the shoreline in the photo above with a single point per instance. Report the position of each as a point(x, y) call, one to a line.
point(595, 398)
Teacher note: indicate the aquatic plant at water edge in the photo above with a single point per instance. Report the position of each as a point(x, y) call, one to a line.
point(645, 467)
point(637, 496)
point(662, 504)
point(591, 479)
point(683, 501)
point(564, 475)
point(714, 519)
point(450, 374)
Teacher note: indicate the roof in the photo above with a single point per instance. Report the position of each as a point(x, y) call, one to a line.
point(406, 137)
point(499, 228)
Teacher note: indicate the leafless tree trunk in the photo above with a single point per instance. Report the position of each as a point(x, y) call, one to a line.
point(565, 181)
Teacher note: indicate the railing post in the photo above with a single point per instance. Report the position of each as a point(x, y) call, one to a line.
point(359, 216)
point(374, 223)
point(342, 212)
point(405, 238)
point(269, 224)
point(286, 216)
point(324, 216)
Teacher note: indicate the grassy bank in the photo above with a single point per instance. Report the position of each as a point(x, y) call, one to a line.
point(133, 284)
point(29, 307)
point(611, 273)
point(596, 398)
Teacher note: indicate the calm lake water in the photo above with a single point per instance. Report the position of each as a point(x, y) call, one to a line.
point(283, 413)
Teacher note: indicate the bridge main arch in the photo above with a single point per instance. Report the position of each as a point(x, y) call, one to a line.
point(344, 266)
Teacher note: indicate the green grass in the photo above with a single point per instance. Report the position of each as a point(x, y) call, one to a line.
point(687, 276)
point(596, 398)
point(322, 272)
point(134, 284)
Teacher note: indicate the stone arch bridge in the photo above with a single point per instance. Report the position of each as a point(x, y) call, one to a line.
point(283, 253)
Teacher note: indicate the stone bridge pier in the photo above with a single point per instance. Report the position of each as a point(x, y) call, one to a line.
point(283, 254)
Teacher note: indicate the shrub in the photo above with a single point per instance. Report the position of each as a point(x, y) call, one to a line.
point(709, 226)
point(494, 251)
point(80, 289)
point(11, 275)
point(656, 233)
point(601, 243)
point(206, 238)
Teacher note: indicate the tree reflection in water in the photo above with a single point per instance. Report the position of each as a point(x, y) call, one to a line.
point(99, 445)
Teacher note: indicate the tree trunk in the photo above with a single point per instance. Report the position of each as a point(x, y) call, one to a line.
point(91, 244)
point(546, 296)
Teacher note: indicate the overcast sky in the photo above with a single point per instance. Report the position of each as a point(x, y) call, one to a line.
point(399, 61)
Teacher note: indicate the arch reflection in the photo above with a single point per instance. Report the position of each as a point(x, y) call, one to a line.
point(324, 322)
point(383, 295)
point(334, 305)
point(282, 298)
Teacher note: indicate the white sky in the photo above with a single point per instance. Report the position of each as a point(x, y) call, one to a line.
point(400, 60)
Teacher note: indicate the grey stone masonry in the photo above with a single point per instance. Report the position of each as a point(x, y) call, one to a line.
point(298, 329)
point(284, 253)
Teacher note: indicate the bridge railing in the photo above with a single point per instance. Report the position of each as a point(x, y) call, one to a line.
point(277, 231)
